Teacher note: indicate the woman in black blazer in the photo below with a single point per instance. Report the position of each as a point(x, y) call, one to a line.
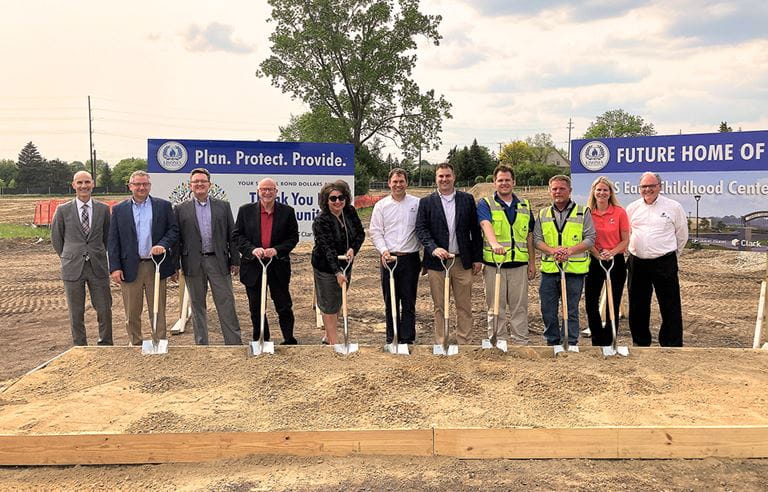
point(338, 232)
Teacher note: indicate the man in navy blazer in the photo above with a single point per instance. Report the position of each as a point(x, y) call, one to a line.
point(447, 224)
point(142, 227)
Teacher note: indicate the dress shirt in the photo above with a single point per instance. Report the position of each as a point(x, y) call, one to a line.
point(266, 218)
point(393, 225)
point(142, 219)
point(203, 214)
point(449, 208)
point(80, 211)
point(588, 234)
point(658, 228)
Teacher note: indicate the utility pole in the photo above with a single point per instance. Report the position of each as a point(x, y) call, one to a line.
point(570, 127)
point(91, 151)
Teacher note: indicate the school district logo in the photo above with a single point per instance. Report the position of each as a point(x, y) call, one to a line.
point(172, 156)
point(594, 155)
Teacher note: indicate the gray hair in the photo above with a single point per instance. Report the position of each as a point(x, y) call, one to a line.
point(649, 173)
point(141, 173)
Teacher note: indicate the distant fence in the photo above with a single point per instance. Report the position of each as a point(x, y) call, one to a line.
point(45, 209)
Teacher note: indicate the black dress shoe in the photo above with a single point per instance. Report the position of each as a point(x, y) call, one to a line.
point(290, 341)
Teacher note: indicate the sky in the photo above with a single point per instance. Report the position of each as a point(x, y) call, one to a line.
point(511, 69)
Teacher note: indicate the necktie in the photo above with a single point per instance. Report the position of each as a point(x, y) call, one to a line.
point(84, 220)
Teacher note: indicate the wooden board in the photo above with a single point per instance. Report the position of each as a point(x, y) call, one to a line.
point(608, 442)
point(206, 446)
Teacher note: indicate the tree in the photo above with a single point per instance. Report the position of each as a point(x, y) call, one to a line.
point(8, 170)
point(540, 145)
point(58, 174)
point(104, 178)
point(355, 58)
point(32, 168)
point(317, 125)
point(724, 128)
point(481, 160)
point(515, 153)
point(123, 170)
point(619, 123)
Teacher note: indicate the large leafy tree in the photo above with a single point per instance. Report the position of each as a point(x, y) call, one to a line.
point(8, 170)
point(123, 170)
point(515, 153)
point(619, 123)
point(355, 58)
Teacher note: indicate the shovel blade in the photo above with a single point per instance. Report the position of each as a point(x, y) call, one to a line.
point(440, 350)
point(573, 348)
point(609, 352)
point(179, 327)
point(500, 344)
point(262, 348)
point(623, 351)
point(148, 347)
point(558, 349)
point(345, 349)
point(397, 349)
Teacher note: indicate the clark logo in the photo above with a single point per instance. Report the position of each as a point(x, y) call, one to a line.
point(594, 155)
point(172, 156)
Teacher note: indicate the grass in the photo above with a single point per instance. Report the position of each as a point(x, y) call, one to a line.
point(16, 231)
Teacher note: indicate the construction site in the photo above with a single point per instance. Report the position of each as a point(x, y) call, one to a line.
point(306, 417)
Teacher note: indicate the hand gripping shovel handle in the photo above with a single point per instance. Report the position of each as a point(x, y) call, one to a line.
point(156, 297)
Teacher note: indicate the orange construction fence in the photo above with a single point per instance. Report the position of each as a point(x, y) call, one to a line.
point(45, 209)
point(365, 201)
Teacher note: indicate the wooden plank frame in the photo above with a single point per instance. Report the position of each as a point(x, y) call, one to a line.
point(539, 443)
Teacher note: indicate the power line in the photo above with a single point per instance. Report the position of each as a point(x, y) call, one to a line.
point(165, 117)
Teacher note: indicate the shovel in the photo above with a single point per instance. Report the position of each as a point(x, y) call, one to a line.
point(446, 349)
point(185, 311)
point(395, 347)
point(155, 346)
point(493, 342)
point(261, 347)
point(613, 349)
point(345, 348)
point(565, 347)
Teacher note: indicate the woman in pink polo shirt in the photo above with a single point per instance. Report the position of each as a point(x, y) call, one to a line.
point(612, 228)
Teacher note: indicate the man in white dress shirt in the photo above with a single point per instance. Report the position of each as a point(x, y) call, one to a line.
point(393, 233)
point(659, 231)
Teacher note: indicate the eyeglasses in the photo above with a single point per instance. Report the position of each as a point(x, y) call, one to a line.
point(268, 190)
point(141, 185)
point(199, 181)
point(337, 198)
point(648, 187)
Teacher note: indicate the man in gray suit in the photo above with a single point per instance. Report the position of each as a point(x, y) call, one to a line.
point(79, 233)
point(208, 255)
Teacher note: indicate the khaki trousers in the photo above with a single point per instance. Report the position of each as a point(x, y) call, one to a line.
point(133, 294)
point(513, 301)
point(461, 286)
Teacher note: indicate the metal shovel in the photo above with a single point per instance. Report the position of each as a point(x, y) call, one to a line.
point(261, 347)
point(493, 342)
point(345, 348)
point(155, 346)
point(565, 346)
point(395, 347)
point(446, 349)
point(186, 311)
point(613, 349)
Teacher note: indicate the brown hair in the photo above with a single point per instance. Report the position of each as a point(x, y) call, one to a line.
point(445, 165)
point(503, 168)
point(200, 170)
point(560, 177)
point(398, 170)
point(341, 186)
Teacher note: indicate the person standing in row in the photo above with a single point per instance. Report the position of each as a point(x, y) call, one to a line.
point(268, 230)
point(79, 234)
point(659, 234)
point(338, 232)
point(393, 233)
point(141, 227)
point(507, 223)
point(208, 255)
point(611, 239)
point(564, 233)
point(446, 225)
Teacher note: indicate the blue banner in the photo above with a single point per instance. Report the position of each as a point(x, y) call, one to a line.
point(243, 157)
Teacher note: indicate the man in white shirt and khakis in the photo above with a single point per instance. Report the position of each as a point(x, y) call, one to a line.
point(393, 233)
point(659, 232)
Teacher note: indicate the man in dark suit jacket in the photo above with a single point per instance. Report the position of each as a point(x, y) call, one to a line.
point(268, 229)
point(208, 255)
point(141, 227)
point(447, 224)
point(79, 234)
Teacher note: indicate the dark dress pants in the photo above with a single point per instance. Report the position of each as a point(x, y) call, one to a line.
point(406, 284)
point(602, 334)
point(278, 281)
point(645, 276)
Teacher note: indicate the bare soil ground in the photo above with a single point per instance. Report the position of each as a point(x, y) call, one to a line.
point(720, 291)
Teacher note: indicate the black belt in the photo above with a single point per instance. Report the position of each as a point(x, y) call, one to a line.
point(212, 253)
point(145, 259)
point(404, 254)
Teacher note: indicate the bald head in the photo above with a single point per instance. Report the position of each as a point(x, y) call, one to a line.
point(267, 193)
point(82, 183)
